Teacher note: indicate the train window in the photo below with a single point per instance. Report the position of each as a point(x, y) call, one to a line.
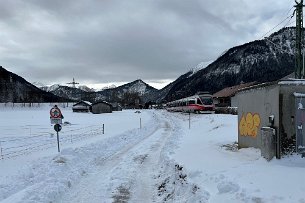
point(207, 100)
point(192, 102)
point(199, 101)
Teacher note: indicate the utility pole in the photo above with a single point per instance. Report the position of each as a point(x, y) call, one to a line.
point(299, 69)
point(73, 83)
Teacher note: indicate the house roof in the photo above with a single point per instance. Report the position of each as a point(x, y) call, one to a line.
point(230, 91)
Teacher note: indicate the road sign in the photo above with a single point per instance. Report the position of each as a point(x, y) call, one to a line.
point(56, 118)
point(56, 121)
point(57, 127)
point(55, 112)
point(55, 115)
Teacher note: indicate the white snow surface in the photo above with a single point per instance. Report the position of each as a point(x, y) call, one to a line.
point(163, 161)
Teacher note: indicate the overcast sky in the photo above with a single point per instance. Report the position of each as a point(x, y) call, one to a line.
point(117, 41)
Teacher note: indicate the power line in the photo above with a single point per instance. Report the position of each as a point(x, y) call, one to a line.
point(290, 9)
point(288, 23)
point(288, 17)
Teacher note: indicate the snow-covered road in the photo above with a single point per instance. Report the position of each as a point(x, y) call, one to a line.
point(126, 174)
point(134, 172)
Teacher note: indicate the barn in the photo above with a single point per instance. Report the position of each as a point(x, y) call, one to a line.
point(82, 106)
point(101, 107)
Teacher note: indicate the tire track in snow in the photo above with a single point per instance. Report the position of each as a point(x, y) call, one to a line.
point(144, 182)
point(126, 174)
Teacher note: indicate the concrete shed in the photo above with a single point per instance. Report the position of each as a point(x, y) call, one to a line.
point(276, 105)
point(101, 107)
point(82, 106)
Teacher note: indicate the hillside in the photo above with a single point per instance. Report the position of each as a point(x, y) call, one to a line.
point(67, 92)
point(137, 88)
point(14, 88)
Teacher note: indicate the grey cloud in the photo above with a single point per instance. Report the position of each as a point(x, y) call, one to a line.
point(114, 41)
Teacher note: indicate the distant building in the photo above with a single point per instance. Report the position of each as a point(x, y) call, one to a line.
point(101, 107)
point(223, 97)
point(82, 106)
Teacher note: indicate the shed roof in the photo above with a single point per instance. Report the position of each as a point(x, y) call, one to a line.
point(230, 91)
point(104, 102)
point(257, 86)
point(83, 102)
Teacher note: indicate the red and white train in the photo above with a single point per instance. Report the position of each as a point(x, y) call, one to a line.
point(199, 103)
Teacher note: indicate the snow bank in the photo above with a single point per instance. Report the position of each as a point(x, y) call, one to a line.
point(209, 152)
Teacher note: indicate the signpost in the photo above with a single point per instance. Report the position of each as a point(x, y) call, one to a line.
point(57, 128)
point(56, 118)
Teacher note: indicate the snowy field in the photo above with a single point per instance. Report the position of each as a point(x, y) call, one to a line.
point(163, 161)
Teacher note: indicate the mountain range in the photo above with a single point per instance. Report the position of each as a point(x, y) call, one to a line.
point(263, 60)
point(114, 94)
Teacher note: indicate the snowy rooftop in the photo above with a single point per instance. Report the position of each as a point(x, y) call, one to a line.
point(85, 102)
point(292, 81)
point(296, 94)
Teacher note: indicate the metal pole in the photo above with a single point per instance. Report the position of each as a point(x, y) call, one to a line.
point(103, 128)
point(189, 120)
point(303, 69)
point(58, 142)
point(1, 151)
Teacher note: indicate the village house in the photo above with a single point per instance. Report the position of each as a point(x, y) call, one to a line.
point(223, 97)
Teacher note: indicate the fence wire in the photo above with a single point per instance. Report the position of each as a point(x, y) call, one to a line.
point(19, 146)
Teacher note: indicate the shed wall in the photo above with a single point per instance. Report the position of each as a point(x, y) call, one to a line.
point(101, 108)
point(254, 108)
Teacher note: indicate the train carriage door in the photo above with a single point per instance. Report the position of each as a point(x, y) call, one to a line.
point(198, 101)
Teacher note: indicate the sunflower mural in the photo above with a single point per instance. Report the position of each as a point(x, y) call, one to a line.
point(249, 124)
